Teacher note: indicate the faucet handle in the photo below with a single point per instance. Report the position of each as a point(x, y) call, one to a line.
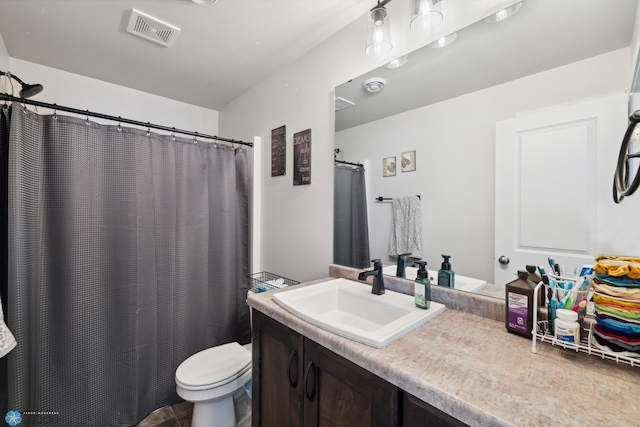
point(377, 263)
point(404, 255)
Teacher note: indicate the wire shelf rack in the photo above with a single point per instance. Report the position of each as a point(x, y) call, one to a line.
point(543, 333)
point(265, 281)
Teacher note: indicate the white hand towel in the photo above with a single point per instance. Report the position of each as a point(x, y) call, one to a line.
point(7, 340)
point(406, 227)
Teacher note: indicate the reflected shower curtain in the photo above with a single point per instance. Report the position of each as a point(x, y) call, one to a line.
point(350, 225)
point(128, 252)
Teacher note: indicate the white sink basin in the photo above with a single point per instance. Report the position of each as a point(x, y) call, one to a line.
point(461, 283)
point(349, 309)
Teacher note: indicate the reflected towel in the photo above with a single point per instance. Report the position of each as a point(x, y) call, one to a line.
point(406, 227)
point(7, 340)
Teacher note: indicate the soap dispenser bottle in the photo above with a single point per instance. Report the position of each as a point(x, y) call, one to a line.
point(445, 275)
point(422, 286)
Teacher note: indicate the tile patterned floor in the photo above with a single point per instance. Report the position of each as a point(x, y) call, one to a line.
point(178, 415)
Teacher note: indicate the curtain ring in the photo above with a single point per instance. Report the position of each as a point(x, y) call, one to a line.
point(55, 111)
point(173, 134)
point(195, 138)
point(119, 124)
point(148, 129)
point(87, 122)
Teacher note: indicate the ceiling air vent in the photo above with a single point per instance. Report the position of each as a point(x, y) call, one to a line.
point(342, 103)
point(151, 28)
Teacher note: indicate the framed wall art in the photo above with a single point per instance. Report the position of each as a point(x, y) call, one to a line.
point(389, 166)
point(302, 157)
point(408, 160)
point(279, 151)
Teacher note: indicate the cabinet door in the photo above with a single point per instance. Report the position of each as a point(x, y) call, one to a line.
point(339, 393)
point(277, 373)
point(416, 413)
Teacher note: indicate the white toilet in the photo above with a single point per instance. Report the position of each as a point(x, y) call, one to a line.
point(214, 380)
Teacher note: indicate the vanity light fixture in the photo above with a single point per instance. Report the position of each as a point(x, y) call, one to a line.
point(204, 2)
point(425, 14)
point(398, 62)
point(379, 35)
point(503, 14)
point(443, 41)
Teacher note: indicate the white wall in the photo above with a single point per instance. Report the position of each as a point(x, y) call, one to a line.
point(73, 90)
point(454, 143)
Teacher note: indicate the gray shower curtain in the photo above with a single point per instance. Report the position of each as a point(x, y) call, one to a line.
point(350, 224)
point(128, 252)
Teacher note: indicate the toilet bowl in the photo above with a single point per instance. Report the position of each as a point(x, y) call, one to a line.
point(214, 381)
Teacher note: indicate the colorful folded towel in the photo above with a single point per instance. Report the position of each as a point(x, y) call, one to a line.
point(617, 291)
point(615, 302)
point(618, 325)
point(617, 281)
point(603, 344)
point(622, 266)
point(612, 334)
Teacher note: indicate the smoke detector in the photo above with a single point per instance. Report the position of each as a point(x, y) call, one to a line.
point(342, 103)
point(374, 84)
point(153, 29)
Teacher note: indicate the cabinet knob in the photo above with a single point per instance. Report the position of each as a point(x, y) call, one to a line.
point(307, 373)
point(292, 355)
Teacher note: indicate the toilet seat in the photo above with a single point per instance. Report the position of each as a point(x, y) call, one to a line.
point(213, 367)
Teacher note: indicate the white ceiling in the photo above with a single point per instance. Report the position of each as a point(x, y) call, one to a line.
point(222, 51)
point(544, 34)
point(227, 48)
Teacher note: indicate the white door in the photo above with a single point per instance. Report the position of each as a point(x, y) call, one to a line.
point(554, 178)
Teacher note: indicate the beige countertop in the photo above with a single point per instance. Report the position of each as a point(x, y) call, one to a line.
point(471, 368)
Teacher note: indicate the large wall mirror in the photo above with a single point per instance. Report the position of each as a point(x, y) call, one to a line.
point(444, 104)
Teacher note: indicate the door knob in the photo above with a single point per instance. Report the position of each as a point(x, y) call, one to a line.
point(504, 260)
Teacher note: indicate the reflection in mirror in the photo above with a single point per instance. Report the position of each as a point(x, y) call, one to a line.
point(444, 104)
point(350, 225)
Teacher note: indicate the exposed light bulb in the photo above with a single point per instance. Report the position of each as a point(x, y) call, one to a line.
point(398, 62)
point(504, 13)
point(425, 14)
point(443, 41)
point(379, 35)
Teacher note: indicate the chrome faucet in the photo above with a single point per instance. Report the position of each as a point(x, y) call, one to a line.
point(378, 281)
point(402, 264)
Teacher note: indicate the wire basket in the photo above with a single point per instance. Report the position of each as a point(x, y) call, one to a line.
point(265, 281)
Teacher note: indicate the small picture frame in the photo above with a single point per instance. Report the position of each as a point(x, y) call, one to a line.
point(389, 166)
point(408, 161)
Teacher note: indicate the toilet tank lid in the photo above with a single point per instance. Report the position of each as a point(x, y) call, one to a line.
point(213, 365)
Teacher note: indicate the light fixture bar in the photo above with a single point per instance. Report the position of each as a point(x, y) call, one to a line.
point(382, 3)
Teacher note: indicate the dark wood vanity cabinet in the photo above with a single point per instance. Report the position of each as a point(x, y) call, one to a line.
point(297, 382)
point(277, 353)
point(416, 413)
point(339, 393)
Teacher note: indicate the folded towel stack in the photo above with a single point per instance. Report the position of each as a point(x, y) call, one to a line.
point(617, 305)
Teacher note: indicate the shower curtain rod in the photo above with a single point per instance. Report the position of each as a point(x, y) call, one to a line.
point(360, 165)
point(56, 107)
